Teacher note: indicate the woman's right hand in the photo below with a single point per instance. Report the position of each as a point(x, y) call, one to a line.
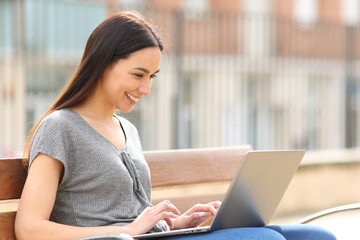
point(164, 210)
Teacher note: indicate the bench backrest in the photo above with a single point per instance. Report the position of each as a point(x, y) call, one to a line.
point(185, 177)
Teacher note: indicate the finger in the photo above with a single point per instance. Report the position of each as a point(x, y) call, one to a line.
point(169, 204)
point(165, 210)
point(165, 206)
point(151, 217)
point(203, 208)
point(196, 219)
point(199, 215)
point(167, 216)
point(215, 204)
point(169, 222)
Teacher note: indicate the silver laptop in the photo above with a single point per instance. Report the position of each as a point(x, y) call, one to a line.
point(254, 193)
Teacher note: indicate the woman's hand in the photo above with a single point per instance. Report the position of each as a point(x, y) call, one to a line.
point(195, 216)
point(152, 215)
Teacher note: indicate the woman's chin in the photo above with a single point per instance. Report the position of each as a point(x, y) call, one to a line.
point(125, 110)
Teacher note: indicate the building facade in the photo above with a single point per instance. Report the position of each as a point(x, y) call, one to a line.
point(272, 73)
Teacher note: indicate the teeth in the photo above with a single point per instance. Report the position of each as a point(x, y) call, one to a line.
point(132, 97)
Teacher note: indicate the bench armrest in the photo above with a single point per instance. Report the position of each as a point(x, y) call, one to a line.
point(321, 214)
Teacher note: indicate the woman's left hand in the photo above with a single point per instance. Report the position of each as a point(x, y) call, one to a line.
point(197, 215)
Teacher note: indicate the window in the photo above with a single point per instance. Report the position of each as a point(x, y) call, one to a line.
point(194, 7)
point(6, 26)
point(350, 12)
point(61, 27)
point(305, 11)
point(131, 4)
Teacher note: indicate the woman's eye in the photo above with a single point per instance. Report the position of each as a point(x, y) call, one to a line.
point(138, 75)
point(153, 76)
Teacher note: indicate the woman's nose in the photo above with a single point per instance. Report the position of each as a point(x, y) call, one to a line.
point(146, 88)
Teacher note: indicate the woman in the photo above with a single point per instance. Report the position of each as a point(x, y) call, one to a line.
point(87, 175)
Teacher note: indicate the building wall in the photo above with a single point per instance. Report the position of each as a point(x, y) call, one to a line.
point(231, 74)
point(12, 120)
point(40, 45)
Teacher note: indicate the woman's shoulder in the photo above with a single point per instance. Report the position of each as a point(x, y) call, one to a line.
point(63, 117)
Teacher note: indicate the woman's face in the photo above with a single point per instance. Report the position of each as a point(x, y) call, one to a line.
point(126, 81)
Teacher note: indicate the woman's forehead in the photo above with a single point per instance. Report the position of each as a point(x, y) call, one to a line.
point(146, 60)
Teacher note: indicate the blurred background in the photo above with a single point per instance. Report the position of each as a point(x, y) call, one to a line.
point(271, 73)
point(276, 74)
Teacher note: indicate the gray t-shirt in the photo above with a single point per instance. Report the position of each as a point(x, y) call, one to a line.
point(101, 186)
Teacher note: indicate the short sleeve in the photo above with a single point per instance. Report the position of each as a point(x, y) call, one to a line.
point(50, 139)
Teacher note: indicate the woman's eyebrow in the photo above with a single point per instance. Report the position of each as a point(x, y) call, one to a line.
point(145, 70)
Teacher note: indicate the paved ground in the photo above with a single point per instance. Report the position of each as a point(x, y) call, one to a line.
point(344, 225)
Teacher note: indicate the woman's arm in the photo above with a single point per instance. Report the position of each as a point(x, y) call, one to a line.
point(38, 198)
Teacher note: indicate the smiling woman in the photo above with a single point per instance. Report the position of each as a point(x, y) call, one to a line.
point(87, 173)
point(112, 40)
point(126, 81)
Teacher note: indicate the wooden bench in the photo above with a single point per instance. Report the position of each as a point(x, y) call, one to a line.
point(185, 177)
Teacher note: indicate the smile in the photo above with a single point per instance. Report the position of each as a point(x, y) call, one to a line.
point(135, 99)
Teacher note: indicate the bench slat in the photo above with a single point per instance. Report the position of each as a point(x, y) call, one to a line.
point(175, 167)
point(12, 178)
point(7, 220)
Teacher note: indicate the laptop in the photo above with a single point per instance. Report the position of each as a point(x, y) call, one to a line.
point(253, 194)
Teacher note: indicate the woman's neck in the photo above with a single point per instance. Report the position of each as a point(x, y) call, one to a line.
point(96, 109)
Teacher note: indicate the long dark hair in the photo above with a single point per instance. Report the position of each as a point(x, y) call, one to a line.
point(115, 38)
